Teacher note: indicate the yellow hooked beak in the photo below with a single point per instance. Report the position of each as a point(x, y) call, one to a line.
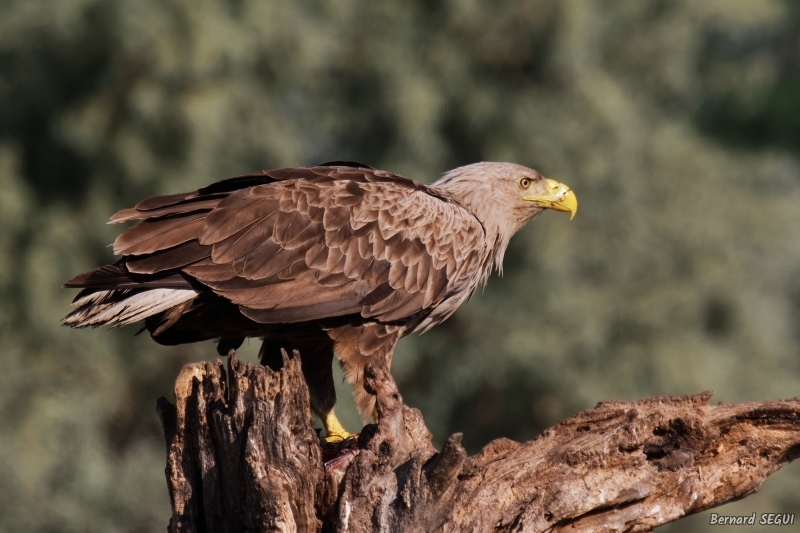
point(558, 197)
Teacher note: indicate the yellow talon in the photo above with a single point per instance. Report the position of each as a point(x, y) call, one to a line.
point(334, 430)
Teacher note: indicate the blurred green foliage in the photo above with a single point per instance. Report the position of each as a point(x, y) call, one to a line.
point(677, 124)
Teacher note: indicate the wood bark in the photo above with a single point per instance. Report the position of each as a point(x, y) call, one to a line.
point(242, 456)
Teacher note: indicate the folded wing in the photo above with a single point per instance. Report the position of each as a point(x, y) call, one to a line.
point(303, 244)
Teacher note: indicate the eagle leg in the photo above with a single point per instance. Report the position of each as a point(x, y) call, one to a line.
point(334, 430)
point(358, 345)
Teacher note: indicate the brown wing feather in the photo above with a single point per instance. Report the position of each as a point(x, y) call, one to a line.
point(151, 236)
point(210, 272)
point(267, 260)
point(116, 276)
point(157, 202)
point(133, 213)
point(302, 244)
point(169, 259)
point(244, 241)
point(234, 214)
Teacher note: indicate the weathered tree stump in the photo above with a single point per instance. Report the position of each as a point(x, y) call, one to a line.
point(241, 453)
point(242, 456)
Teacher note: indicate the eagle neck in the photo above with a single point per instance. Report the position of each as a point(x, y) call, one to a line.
point(490, 214)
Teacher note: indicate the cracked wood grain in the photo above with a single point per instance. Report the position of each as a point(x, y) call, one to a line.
point(242, 456)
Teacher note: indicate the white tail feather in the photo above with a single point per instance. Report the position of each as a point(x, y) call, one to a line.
point(114, 308)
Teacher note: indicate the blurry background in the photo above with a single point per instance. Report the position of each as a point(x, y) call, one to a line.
point(676, 122)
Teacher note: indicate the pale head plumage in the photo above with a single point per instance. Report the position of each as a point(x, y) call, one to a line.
point(494, 193)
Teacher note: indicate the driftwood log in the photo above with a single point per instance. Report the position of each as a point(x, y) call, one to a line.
point(242, 456)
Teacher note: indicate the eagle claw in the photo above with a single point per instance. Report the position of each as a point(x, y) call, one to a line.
point(337, 438)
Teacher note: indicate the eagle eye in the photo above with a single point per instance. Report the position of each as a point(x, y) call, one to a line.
point(524, 182)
